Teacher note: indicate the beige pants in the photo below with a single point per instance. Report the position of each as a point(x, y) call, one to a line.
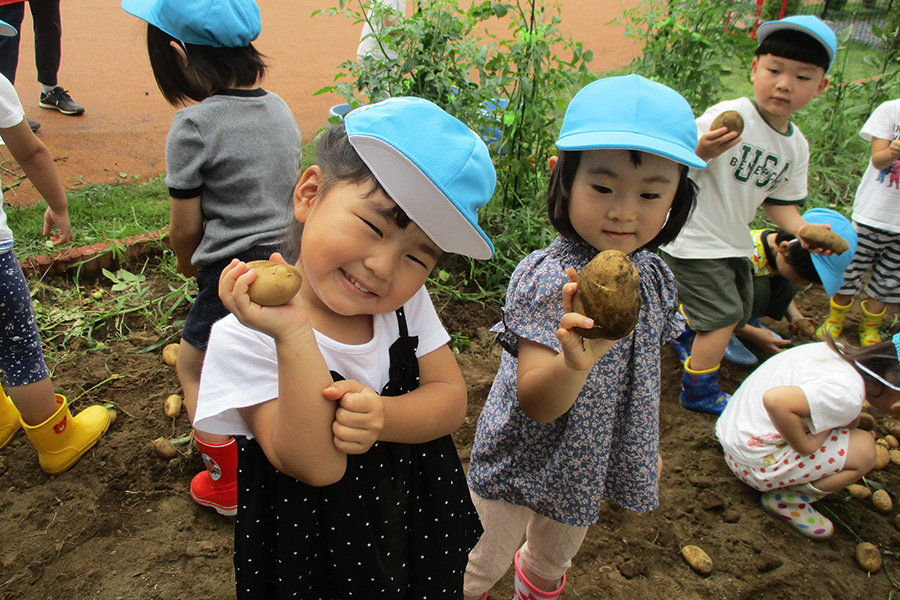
point(548, 550)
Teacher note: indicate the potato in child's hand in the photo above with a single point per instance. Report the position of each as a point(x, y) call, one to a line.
point(817, 236)
point(731, 119)
point(805, 328)
point(276, 283)
point(609, 293)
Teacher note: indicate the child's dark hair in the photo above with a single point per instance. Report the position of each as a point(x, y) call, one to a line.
point(797, 257)
point(340, 163)
point(223, 68)
point(795, 45)
point(880, 358)
point(561, 187)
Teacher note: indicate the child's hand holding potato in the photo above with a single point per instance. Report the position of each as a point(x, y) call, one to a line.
point(580, 352)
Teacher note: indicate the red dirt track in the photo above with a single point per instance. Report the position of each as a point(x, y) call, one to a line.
point(122, 133)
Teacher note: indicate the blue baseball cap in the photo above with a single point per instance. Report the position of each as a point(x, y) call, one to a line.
point(434, 167)
point(810, 25)
point(631, 113)
point(7, 30)
point(831, 268)
point(216, 23)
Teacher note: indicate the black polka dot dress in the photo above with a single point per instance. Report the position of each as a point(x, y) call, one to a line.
point(398, 525)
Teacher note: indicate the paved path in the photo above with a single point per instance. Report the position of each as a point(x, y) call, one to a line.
point(122, 134)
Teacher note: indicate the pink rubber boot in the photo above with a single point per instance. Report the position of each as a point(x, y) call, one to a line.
point(525, 590)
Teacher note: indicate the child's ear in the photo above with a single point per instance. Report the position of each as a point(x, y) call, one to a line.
point(307, 191)
point(783, 248)
point(552, 162)
point(182, 55)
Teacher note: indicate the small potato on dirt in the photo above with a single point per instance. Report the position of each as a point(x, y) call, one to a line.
point(170, 354)
point(894, 453)
point(817, 236)
point(883, 443)
point(609, 292)
point(172, 406)
point(731, 119)
point(113, 415)
point(164, 449)
point(869, 557)
point(866, 421)
point(882, 502)
point(860, 492)
point(892, 441)
point(697, 559)
point(276, 283)
point(882, 457)
point(805, 328)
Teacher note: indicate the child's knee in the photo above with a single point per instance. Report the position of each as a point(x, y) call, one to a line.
point(861, 451)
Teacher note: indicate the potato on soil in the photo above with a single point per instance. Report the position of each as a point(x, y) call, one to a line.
point(113, 415)
point(609, 293)
point(164, 449)
point(891, 440)
point(170, 354)
point(731, 119)
point(868, 557)
point(860, 492)
point(172, 406)
point(882, 457)
point(894, 455)
point(817, 236)
point(276, 283)
point(866, 421)
point(882, 502)
point(698, 559)
point(805, 328)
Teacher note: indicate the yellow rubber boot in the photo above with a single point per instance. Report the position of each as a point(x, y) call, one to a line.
point(870, 326)
point(9, 419)
point(62, 439)
point(834, 325)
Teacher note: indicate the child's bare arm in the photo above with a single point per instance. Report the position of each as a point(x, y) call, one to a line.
point(713, 143)
point(185, 231)
point(37, 162)
point(435, 409)
point(549, 382)
point(787, 407)
point(884, 153)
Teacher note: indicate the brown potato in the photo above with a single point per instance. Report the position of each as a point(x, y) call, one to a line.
point(891, 440)
point(609, 293)
point(276, 283)
point(883, 443)
point(806, 329)
point(869, 557)
point(164, 449)
point(731, 119)
point(698, 559)
point(172, 406)
point(113, 415)
point(860, 492)
point(882, 457)
point(817, 236)
point(866, 421)
point(882, 502)
point(894, 454)
point(170, 354)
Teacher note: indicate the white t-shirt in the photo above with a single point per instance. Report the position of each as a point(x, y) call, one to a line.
point(368, 44)
point(767, 165)
point(11, 113)
point(877, 202)
point(833, 388)
point(241, 369)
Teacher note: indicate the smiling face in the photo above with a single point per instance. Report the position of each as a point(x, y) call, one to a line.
point(617, 205)
point(355, 257)
point(782, 86)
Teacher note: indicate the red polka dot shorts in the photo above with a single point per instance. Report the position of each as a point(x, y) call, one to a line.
point(784, 467)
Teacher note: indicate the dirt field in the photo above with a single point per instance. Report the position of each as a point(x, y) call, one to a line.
point(121, 524)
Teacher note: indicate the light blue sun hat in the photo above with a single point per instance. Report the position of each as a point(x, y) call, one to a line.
point(811, 25)
point(631, 113)
point(831, 268)
point(434, 167)
point(216, 23)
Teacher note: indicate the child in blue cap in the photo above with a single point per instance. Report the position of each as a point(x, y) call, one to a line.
point(790, 430)
point(231, 162)
point(765, 165)
point(876, 216)
point(349, 483)
point(569, 420)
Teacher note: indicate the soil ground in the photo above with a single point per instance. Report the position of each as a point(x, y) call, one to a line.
point(121, 523)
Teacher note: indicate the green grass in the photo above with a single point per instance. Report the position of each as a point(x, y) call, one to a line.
point(98, 213)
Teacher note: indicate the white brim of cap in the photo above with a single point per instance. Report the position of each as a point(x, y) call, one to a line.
point(7, 30)
point(421, 199)
point(627, 140)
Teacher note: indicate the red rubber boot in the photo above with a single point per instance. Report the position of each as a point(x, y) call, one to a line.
point(216, 487)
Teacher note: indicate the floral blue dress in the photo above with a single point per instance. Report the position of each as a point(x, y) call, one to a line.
point(607, 444)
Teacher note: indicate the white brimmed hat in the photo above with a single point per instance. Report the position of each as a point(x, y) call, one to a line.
point(631, 113)
point(434, 167)
point(7, 30)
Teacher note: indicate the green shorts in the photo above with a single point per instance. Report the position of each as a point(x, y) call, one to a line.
point(716, 292)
